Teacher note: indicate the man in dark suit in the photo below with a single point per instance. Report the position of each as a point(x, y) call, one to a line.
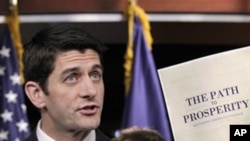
point(64, 79)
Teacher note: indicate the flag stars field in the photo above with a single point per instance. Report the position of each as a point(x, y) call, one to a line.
point(16, 79)
point(3, 135)
point(2, 69)
point(22, 126)
point(5, 52)
point(24, 108)
point(7, 116)
point(14, 125)
point(11, 97)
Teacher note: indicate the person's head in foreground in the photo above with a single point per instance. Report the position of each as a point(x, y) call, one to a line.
point(139, 134)
point(64, 79)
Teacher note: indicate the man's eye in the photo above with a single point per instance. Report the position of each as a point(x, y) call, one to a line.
point(71, 79)
point(95, 76)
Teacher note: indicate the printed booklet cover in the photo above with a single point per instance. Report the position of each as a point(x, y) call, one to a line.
point(205, 96)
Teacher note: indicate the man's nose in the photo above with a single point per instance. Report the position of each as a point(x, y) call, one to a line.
point(88, 88)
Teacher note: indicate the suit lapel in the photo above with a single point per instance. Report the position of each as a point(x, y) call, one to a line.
point(100, 136)
point(32, 137)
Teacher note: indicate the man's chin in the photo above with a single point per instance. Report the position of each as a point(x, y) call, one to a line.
point(91, 125)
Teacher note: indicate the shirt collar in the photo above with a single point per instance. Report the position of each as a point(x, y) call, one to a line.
point(42, 136)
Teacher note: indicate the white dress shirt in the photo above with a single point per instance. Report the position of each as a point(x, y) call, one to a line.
point(42, 136)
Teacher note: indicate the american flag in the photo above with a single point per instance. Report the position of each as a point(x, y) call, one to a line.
point(13, 119)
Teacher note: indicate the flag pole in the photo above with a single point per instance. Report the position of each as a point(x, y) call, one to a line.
point(12, 3)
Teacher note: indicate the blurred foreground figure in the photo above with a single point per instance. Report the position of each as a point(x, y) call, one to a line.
point(138, 134)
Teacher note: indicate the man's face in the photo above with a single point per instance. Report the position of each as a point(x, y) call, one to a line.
point(76, 91)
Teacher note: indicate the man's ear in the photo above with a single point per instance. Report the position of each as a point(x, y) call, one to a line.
point(35, 94)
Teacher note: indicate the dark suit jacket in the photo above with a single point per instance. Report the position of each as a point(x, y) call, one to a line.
point(99, 136)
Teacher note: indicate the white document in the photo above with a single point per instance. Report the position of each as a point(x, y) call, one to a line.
point(206, 95)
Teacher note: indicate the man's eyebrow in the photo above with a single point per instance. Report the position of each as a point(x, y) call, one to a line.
point(76, 69)
point(66, 71)
point(98, 66)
